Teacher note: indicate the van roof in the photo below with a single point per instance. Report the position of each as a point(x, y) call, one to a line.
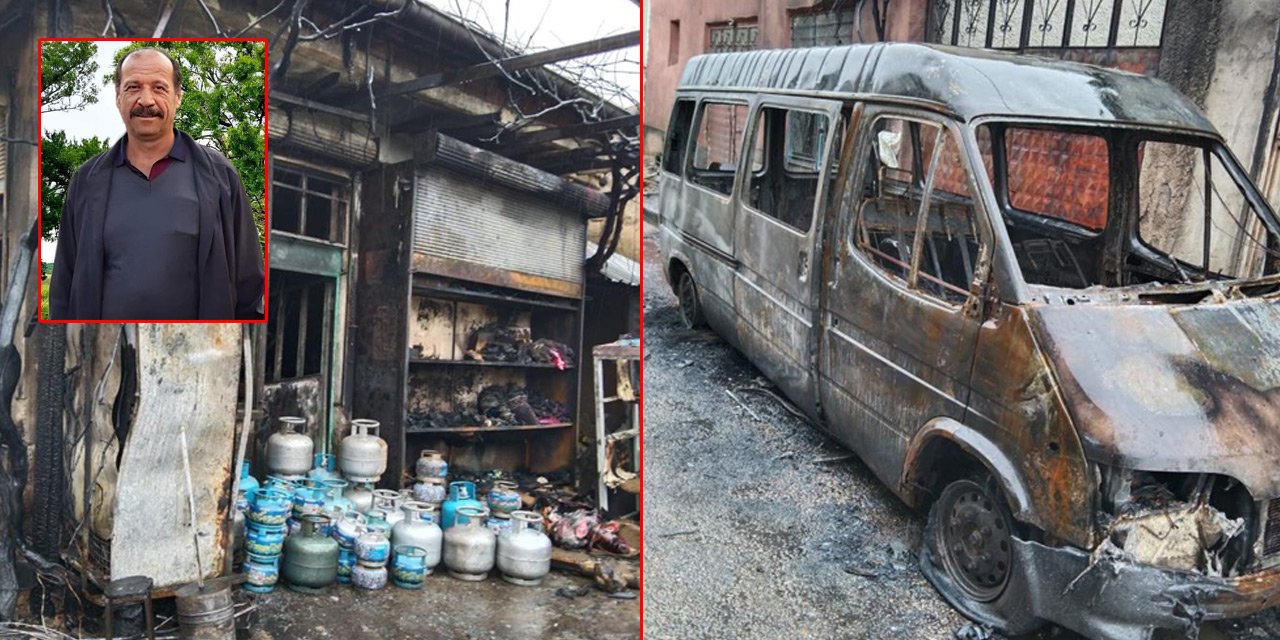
point(967, 83)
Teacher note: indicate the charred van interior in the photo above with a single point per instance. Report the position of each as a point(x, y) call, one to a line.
point(1130, 207)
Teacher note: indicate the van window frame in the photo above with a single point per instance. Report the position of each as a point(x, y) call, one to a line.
point(1014, 288)
point(983, 271)
point(667, 146)
point(831, 109)
point(699, 111)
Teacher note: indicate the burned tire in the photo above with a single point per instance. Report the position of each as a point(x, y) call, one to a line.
point(690, 305)
point(968, 555)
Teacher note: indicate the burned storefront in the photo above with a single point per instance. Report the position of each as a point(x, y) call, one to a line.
point(431, 315)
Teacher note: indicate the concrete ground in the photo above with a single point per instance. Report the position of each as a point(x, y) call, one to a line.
point(752, 530)
point(446, 608)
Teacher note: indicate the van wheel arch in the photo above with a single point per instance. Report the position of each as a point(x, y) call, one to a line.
point(941, 465)
point(966, 452)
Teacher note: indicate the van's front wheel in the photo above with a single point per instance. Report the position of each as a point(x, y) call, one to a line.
point(690, 306)
point(969, 556)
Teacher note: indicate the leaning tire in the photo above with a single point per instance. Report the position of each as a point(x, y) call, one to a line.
point(969, 556)
point(690, 303)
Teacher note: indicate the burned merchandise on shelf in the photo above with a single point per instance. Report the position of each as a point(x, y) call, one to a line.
point(510, 343)
point(496, 406)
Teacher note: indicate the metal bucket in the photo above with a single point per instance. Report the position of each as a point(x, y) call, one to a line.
point(206, 614)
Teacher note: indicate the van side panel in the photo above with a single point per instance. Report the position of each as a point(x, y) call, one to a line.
point(776, 321)
point(1016, 403)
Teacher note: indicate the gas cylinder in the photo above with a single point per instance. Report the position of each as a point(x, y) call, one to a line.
point(524, 551)
point(469, 548)
point(461, 494)
point(310, 559)
point(363, 456)
point(361, 495)
point(288, 451)
point(389, 501)
point(419, 529)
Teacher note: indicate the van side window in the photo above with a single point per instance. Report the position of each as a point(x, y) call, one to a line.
point(678, 137)
point(916, 211)
point(786, 185)
point(718, 147)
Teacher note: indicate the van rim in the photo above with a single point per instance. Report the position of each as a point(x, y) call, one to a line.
point(974, 540)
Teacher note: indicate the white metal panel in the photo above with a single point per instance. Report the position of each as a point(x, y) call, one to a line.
point(460, 218)
point(187, 377)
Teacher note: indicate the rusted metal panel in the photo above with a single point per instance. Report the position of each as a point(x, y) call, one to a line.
point(464, 225)
point(187, 384)
point(1017, 402)
point(1193, 388)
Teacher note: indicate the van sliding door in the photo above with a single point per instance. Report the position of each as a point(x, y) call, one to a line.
point(779, 215)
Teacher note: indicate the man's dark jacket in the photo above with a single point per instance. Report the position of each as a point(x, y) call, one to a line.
point(229, 265)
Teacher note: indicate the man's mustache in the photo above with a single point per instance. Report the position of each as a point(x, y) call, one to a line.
point(145, 112)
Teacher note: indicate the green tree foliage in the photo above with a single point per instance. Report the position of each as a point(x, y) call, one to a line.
point(67, 72)
point(223, 104)
point(59, 160)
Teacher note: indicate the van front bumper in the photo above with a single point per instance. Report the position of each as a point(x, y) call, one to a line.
point(1117, 598)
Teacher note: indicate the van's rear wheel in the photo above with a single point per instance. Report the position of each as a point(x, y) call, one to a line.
point(970, 558)
point(690, 306)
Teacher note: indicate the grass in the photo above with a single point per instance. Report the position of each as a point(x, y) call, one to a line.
point(44, 298)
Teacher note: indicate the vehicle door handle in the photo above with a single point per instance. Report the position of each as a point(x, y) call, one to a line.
point(803, 267)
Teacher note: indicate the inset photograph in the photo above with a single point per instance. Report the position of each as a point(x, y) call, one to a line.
point(153, 170)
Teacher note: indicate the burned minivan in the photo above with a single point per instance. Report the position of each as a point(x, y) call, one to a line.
point(1039, 299)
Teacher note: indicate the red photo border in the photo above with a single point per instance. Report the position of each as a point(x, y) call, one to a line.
point(266, 170)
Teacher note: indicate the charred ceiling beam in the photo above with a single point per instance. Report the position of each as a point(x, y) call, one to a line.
point(589, 165)
point(515, 63)
point(288, 98)
point(326, 81)
point(418, 121)
point(530, 141)
point(575, 160)
point(469, 131)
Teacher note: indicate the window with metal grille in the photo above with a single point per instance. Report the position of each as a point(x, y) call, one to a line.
point(1034, 24)
point(309, 203)
point(740, 35)
point(824, 28)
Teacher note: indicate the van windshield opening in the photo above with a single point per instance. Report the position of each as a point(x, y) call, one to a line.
point(1114, 207)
